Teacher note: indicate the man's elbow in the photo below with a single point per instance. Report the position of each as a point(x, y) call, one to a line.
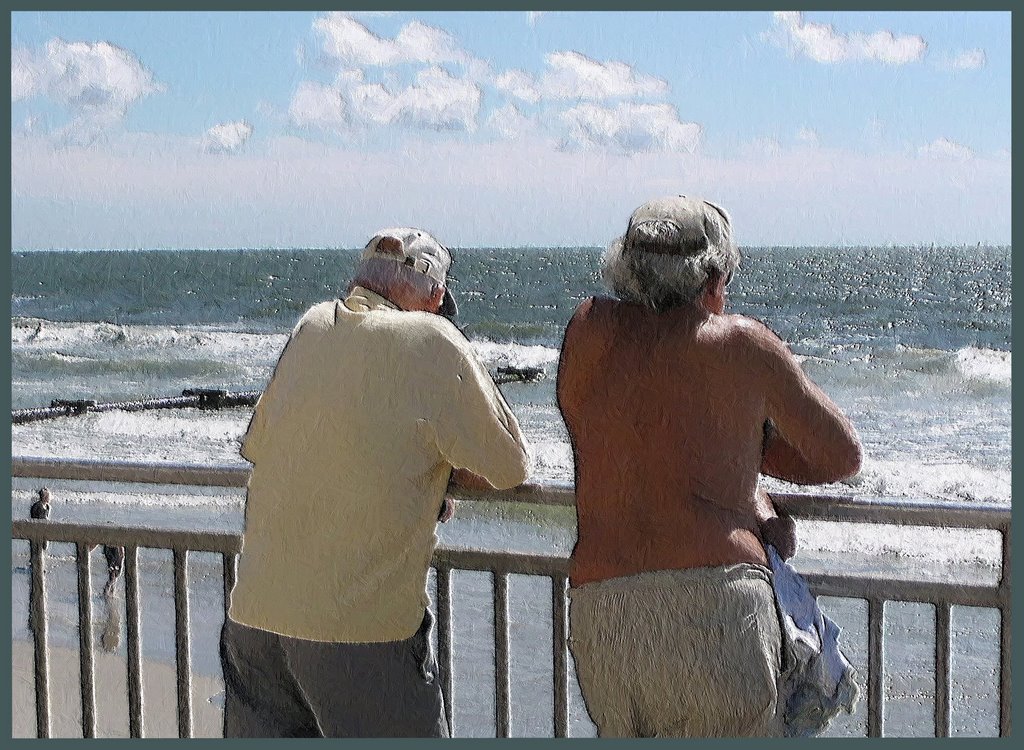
point(515, 473)
point(847, 462)
point(246, 452)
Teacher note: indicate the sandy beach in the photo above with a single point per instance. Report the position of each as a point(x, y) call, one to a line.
point(158, 690)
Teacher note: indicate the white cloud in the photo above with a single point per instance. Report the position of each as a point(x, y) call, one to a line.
point(823, 43)
point(227, 137)
point(26, 74)
point(316, 105)
point(973, 59)
point(519, 84)
point(575, 76)
point(533, 16)
point(760, 149)
point(808, 136)
point(30, 125)
point(437, 100)
point(943, 148)
point(630, 127)
point(348, 41)
point(95, 81)
point(510, 123)
point(97, 76)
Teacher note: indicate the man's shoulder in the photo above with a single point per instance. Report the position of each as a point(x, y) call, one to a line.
point(598, 305)
point(750, 334)
point(594, 310)
point(434, 325)
point(322, 312)
point(430, 335)
point(319, 317)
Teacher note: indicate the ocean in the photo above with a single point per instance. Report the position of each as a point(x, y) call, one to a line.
point(914, 344)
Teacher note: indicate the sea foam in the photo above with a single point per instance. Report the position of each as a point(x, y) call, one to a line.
point(495, 354)
point(985, 365)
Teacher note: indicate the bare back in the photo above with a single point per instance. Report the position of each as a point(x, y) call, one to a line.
point(666, 412)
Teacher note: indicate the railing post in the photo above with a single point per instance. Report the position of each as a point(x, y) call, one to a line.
point(502, 708)
point(560, 655)
point(131, 605)
point(942, 667)
point(444, 641)
point(37, 607)
point(1004, 634)
point(181, 642)
point(87, 669)
point(230, 564)
point(876, 656)
point(37, 619)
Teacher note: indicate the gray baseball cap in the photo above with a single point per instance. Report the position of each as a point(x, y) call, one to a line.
point(419, 251)
point(677, 225)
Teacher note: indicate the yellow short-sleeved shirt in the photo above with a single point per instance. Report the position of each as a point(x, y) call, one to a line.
point(352, 445)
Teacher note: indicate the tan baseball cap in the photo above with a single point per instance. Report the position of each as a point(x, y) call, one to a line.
point(419, 251)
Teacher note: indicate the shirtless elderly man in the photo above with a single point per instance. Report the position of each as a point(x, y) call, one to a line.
point(674, 408)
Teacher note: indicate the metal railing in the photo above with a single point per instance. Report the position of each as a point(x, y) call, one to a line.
point(875, 590)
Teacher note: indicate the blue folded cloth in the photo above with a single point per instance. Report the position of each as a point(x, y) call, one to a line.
point(818, 680)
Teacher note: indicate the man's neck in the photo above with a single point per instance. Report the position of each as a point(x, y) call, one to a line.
point(374, 299)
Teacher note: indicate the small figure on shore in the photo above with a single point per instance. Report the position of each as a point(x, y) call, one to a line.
point(40, 509)
point(115, 563)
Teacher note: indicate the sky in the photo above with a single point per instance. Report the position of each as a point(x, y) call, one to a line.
point(303, 129)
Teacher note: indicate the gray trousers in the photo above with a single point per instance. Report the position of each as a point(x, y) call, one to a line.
point(276, 686)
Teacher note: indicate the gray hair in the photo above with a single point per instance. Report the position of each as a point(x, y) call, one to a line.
point(380, 274)
point(660, 264)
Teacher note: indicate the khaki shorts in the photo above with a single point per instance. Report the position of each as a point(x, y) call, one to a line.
point(679, 653)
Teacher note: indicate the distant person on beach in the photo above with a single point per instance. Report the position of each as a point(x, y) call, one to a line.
point(377, 403)
point(673, 408)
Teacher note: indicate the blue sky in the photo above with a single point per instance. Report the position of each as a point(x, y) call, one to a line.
point(493, 128)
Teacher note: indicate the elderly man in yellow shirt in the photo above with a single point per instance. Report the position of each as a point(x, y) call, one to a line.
point(377, 403)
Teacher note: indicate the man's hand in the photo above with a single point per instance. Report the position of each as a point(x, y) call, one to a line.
point(780, 532)
point(466, 479)
point(447, 510)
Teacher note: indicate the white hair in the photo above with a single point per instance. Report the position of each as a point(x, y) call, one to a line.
point(648, 273)
point(380, 274)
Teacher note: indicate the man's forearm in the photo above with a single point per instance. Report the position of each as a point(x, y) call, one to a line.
point(782, 461)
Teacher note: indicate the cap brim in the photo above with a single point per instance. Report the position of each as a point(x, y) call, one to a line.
point(448, 307)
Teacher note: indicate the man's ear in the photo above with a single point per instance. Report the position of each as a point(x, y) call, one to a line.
point(713, 296)
point(437, 297)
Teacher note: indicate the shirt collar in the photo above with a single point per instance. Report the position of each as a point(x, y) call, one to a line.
point(361, 299)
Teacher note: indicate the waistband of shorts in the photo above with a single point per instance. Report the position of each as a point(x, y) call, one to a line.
point(691, 578)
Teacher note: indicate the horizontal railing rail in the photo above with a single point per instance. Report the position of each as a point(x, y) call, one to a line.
point(806, 506)
point(875, 590)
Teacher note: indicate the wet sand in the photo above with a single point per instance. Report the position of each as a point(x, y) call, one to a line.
point(158, 691)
